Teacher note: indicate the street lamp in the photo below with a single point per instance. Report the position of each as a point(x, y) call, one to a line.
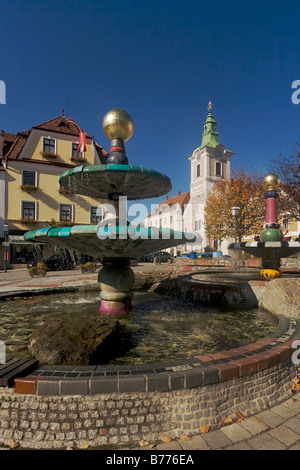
point(5, 230)
point(236, 212)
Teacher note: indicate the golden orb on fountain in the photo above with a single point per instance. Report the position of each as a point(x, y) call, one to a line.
point(271, 182)
point(117, 124)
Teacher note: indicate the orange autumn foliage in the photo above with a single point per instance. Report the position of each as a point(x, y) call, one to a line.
point(244, 190)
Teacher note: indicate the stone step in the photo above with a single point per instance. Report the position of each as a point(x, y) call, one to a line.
point(14, 368)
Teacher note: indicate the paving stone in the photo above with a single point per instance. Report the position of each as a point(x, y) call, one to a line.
point(296, 396)
point(236, 432)
point(294, 405)
point(265, 442)
point(239, 446)
point(285, 435)
point(216, 439)
point(253, 425)
point(196, 443)
point(293, 424)
point(173, 445)
point(270, 418)
point(284, 411)
point(296, 447)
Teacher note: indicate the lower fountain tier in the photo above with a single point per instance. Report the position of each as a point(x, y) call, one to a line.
point(111, 241)
point(268, 250)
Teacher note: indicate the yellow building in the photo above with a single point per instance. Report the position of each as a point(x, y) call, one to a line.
point(30, 196)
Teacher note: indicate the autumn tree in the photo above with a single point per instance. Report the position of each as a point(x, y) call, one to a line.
point(288, 170)
point(244, 190)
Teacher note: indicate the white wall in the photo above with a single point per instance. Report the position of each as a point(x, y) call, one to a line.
point(2, 202)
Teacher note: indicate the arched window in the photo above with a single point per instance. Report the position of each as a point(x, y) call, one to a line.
point(198, 170)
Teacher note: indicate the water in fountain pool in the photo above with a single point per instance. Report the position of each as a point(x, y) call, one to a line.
point(161, 327)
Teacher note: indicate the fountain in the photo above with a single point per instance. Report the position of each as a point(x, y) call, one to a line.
point(114, 239)
point(271, 247)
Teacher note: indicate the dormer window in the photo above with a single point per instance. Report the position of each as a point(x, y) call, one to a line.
point(74, 150)
point(77, 156)
point(49, 145)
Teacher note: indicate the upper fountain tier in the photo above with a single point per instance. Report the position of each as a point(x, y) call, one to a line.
point(116, 177)
point(112, 180)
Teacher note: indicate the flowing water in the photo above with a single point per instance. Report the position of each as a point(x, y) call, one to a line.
point(161, 327)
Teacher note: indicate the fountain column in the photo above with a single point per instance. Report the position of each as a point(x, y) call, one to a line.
point(116, 278)
point(271, 232)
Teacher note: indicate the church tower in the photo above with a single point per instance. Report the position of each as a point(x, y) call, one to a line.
point(210, 162)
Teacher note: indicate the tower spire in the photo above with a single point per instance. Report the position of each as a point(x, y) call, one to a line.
point(210, 134)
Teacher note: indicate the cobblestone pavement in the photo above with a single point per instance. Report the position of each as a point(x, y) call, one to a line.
point(18, 280)
point(277, 428)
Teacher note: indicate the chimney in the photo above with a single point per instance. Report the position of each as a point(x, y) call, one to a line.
point(167, 197)
point(178, 193)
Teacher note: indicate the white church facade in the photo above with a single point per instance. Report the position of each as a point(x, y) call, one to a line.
point(209, 162)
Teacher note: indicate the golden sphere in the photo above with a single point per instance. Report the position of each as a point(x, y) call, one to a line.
point(117, 124)
point(271, 182)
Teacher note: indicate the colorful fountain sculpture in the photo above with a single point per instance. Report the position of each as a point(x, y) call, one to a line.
point(114, 240)
point(271, 247)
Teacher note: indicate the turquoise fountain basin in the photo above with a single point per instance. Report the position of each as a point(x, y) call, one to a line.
point(101, 181)
point(111, 241)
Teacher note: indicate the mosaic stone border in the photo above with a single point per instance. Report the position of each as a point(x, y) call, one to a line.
point(164, 376)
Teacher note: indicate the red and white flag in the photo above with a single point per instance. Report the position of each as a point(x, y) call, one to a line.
point(82, 138)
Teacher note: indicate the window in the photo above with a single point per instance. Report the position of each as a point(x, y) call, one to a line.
point(218, 169)
point(171, 219)
point(74, 150)
point(198, 170)
point(28, 210)
point(49, 145)
point(197, 224)
point(29, 177)
point(285, 223)
point(96, 214)
point(66, 212)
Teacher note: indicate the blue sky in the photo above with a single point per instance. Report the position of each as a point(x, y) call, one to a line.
point(161, 61)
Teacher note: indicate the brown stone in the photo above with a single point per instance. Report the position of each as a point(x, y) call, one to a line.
point(93, 339)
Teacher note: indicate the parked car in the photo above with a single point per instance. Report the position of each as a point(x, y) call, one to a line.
point(162, 256)
point(57, 262)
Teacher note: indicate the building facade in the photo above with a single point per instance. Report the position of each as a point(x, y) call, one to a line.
point(30, 195)
point(170, 214)
point(209, 162)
